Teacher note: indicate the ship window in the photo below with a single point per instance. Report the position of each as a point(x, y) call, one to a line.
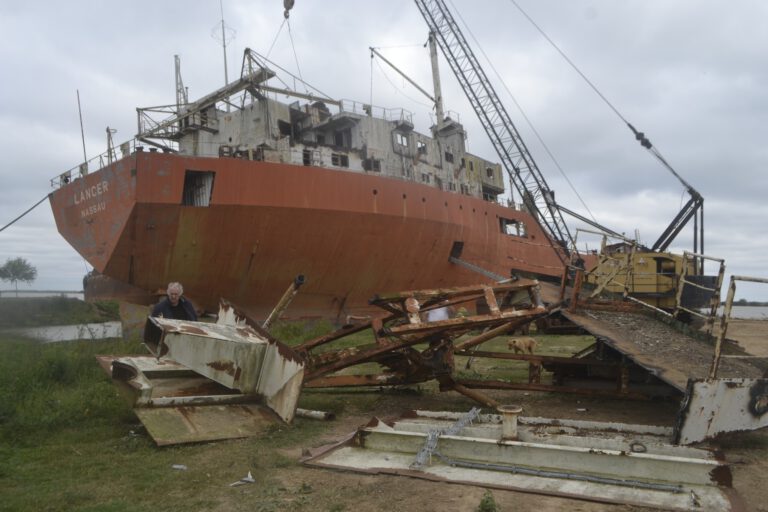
point(198, 188)
point(439, 183)
point(452, 185)
point(489, 172)
point(320, 139)
point(376, 165)
point(512, 227)
point(421, 147)
point(340, 160)
point(463, 163)
point(425, 177)
point(284, 127)
point(471, 165)
point(307, 157)
point(401, 139)
point(449, 155)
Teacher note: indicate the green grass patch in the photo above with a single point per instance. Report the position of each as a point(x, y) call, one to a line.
point(42, 311)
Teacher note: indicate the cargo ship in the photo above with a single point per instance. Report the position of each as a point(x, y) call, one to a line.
point(238, 192)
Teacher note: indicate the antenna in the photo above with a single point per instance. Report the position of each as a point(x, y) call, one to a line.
point(181, 92)
point(82, 132)
point(222, 32)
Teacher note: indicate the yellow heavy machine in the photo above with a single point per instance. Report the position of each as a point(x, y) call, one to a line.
point(652, 277)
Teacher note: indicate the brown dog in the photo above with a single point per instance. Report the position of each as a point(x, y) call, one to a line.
point(522, 345)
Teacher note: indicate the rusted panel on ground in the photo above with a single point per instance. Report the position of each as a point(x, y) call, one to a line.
point(191, 424)
point(604, 462)
point(717, 406)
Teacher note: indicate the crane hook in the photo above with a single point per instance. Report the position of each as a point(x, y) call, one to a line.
point(288, 4)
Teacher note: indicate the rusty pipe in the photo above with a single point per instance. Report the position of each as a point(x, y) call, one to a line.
point(284, 301)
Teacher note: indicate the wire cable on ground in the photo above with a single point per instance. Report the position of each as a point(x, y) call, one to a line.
point(23, 214)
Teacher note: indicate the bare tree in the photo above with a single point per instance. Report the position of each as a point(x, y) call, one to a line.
point(18, 269)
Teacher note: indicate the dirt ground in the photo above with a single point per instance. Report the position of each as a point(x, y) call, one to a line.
point(752, 335)
point(747, 453)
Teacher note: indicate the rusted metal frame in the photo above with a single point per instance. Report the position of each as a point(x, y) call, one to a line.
point(534, 372)
point(443, 293)
point(726, 318)
point(466, 322)
point(723, 329)
point(381, 379)
point(538, 359)
point(490, 299)
point(452, 302)
point(363, 356)
point(284, 301)
point(714, 302)
point(333, 336)
point(578, 280)
point(481, 338)
point(502, 385)
point(474, 395)
point(536, 363)
point(564, 280)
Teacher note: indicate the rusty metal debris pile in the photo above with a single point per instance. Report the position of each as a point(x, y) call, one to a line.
point(232, 378)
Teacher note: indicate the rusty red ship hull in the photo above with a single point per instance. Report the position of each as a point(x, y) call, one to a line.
point(351, 234)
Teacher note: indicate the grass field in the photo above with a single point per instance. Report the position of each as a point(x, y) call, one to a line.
point(69, 441)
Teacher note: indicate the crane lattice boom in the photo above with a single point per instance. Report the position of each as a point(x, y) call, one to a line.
point(518, 162)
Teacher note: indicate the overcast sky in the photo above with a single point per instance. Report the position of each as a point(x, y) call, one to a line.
point(691, 74)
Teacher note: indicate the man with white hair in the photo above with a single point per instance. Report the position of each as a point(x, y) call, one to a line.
point(174, 305)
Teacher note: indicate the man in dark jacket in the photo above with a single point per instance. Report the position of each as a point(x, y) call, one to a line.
point(174, 305)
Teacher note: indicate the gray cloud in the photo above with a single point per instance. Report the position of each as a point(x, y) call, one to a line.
point(690, 74)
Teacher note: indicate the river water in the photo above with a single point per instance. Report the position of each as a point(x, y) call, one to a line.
point(747, 312)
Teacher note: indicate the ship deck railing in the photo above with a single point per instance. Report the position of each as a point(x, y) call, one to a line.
point(366, 109)
point(97, 162)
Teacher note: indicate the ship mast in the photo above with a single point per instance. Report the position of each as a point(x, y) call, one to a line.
point(436, 81)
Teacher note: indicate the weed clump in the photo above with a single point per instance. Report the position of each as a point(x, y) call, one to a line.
point(488, 503)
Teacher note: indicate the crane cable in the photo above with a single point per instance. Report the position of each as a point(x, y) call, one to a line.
point(293, 47)
point(522, 112)
point(23, 214)
point(276, 36)
point(639, 136)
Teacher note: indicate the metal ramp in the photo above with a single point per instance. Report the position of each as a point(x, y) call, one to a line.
point(682, 359)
